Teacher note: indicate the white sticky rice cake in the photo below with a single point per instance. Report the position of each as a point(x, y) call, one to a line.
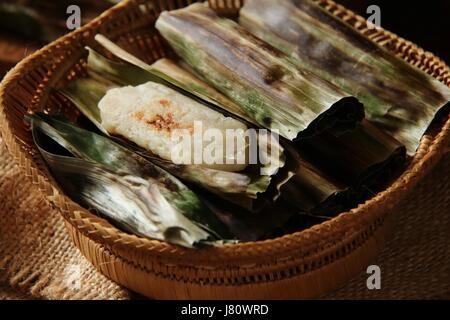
point(160, 119)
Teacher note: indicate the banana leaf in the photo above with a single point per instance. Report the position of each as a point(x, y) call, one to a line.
point(123, 186)
point(260, 79)
point(249, 188)
point(133, 193)
point(354, 157)
point(398, 97)
point(313, 191)
point(276, 219)
point(348, 170)
point(85, 94)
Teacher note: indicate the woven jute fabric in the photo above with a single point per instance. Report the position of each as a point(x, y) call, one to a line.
point(37, 257)
point(38, 260)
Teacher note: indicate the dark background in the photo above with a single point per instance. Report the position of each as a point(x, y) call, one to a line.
point(426, 23)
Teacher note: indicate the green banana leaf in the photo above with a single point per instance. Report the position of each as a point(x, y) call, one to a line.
point(135, 194)
point(85, 94)
point(398, 97)
point(269, 89)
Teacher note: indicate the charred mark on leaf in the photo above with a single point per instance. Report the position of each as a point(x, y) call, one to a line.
point(273, 74)
point(170, 185)
point(260, 43)
point(267, 121)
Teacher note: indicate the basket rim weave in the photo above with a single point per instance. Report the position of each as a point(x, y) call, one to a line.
point(340, 231)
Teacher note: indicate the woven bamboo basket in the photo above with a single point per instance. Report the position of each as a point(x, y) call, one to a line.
point(300, 265)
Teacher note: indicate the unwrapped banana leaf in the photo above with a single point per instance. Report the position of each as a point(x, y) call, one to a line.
point(398, 97)
point(134, 193)
point(248, 188)
point(86, 93)
point(260, 79)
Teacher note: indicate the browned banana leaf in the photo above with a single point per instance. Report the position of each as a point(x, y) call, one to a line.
point(398, 98)
point(335, 174)
point(365, 160)
point(356, 164)
point(276, 219)
point(313, 190)
point(257, 77)
point(353, 157)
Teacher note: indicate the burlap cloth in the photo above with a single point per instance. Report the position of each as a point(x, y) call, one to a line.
point(37, 259)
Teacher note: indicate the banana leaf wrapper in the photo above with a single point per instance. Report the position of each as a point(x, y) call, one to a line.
point(260, 79)
point(350, 168)
point(249, 188)
point(359, 154)
point(398, 97)
point(335, 174)
point(312, 191)
point(116, 179)
point(135, 194)
point(276, 219)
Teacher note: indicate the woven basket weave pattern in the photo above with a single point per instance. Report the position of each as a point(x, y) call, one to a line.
point(310, 253)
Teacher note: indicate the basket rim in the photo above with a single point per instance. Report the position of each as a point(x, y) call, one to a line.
point(347, 223)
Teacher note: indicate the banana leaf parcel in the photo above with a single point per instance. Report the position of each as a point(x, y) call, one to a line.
point(123, 186)
point(398, 97)
point(258, 78)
